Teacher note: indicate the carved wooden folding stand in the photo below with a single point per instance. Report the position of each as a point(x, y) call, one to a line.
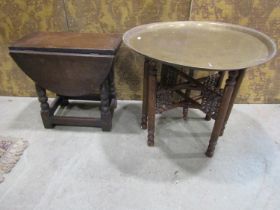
point(175, 89)
point(75, 66)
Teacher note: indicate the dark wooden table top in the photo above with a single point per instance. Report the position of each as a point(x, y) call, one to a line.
point(70, 42)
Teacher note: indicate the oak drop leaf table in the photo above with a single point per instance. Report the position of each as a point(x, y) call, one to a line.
point(174, 51)
point(76, 66)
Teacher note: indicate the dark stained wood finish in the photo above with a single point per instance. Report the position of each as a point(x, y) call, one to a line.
point(70, 42)
point(219, 123)
point(152, 82)
point(66, 74)
point(227, 94)
point(145, 95)
point(106, 115)
point(187, 95)
point(112, 88)
point(74, 66)
point(219, 85)
point(45, 108)
point(50, 120)
point(77, 121)
point(233, 97)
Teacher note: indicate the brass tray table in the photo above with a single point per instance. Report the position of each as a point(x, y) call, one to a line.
point(181, 48)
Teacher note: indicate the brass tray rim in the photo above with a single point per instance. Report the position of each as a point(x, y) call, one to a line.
point(269, 42)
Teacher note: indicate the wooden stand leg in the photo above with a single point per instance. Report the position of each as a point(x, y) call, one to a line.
point(112, 88)
point(145, 95)
point(151, 101)
point(187, 95)
point(219, 85)
point(106, 115)
point(233, 97)
point(45, 108)
point(219, 123)
point(185, 111)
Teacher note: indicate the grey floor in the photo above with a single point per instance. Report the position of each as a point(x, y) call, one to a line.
point(85, 168)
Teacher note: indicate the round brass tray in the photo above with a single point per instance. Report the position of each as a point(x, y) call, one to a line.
point(203, 45)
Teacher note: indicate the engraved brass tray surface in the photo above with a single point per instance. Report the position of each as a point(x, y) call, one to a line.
point(203, 45)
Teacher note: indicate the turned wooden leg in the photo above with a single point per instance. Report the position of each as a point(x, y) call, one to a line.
point(106, 115)
point(233, 97)
point(151, 101)
point(145, 95)
point(219, 123)
point(45, 108)
point(112, 88)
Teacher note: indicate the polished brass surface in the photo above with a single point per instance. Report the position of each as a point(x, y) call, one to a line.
point(201, 44)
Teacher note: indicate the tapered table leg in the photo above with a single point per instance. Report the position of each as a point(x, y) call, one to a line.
point(152, 82)
point(145, 95)
point(45, 108)
point(225, 104)
point(233, 97)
